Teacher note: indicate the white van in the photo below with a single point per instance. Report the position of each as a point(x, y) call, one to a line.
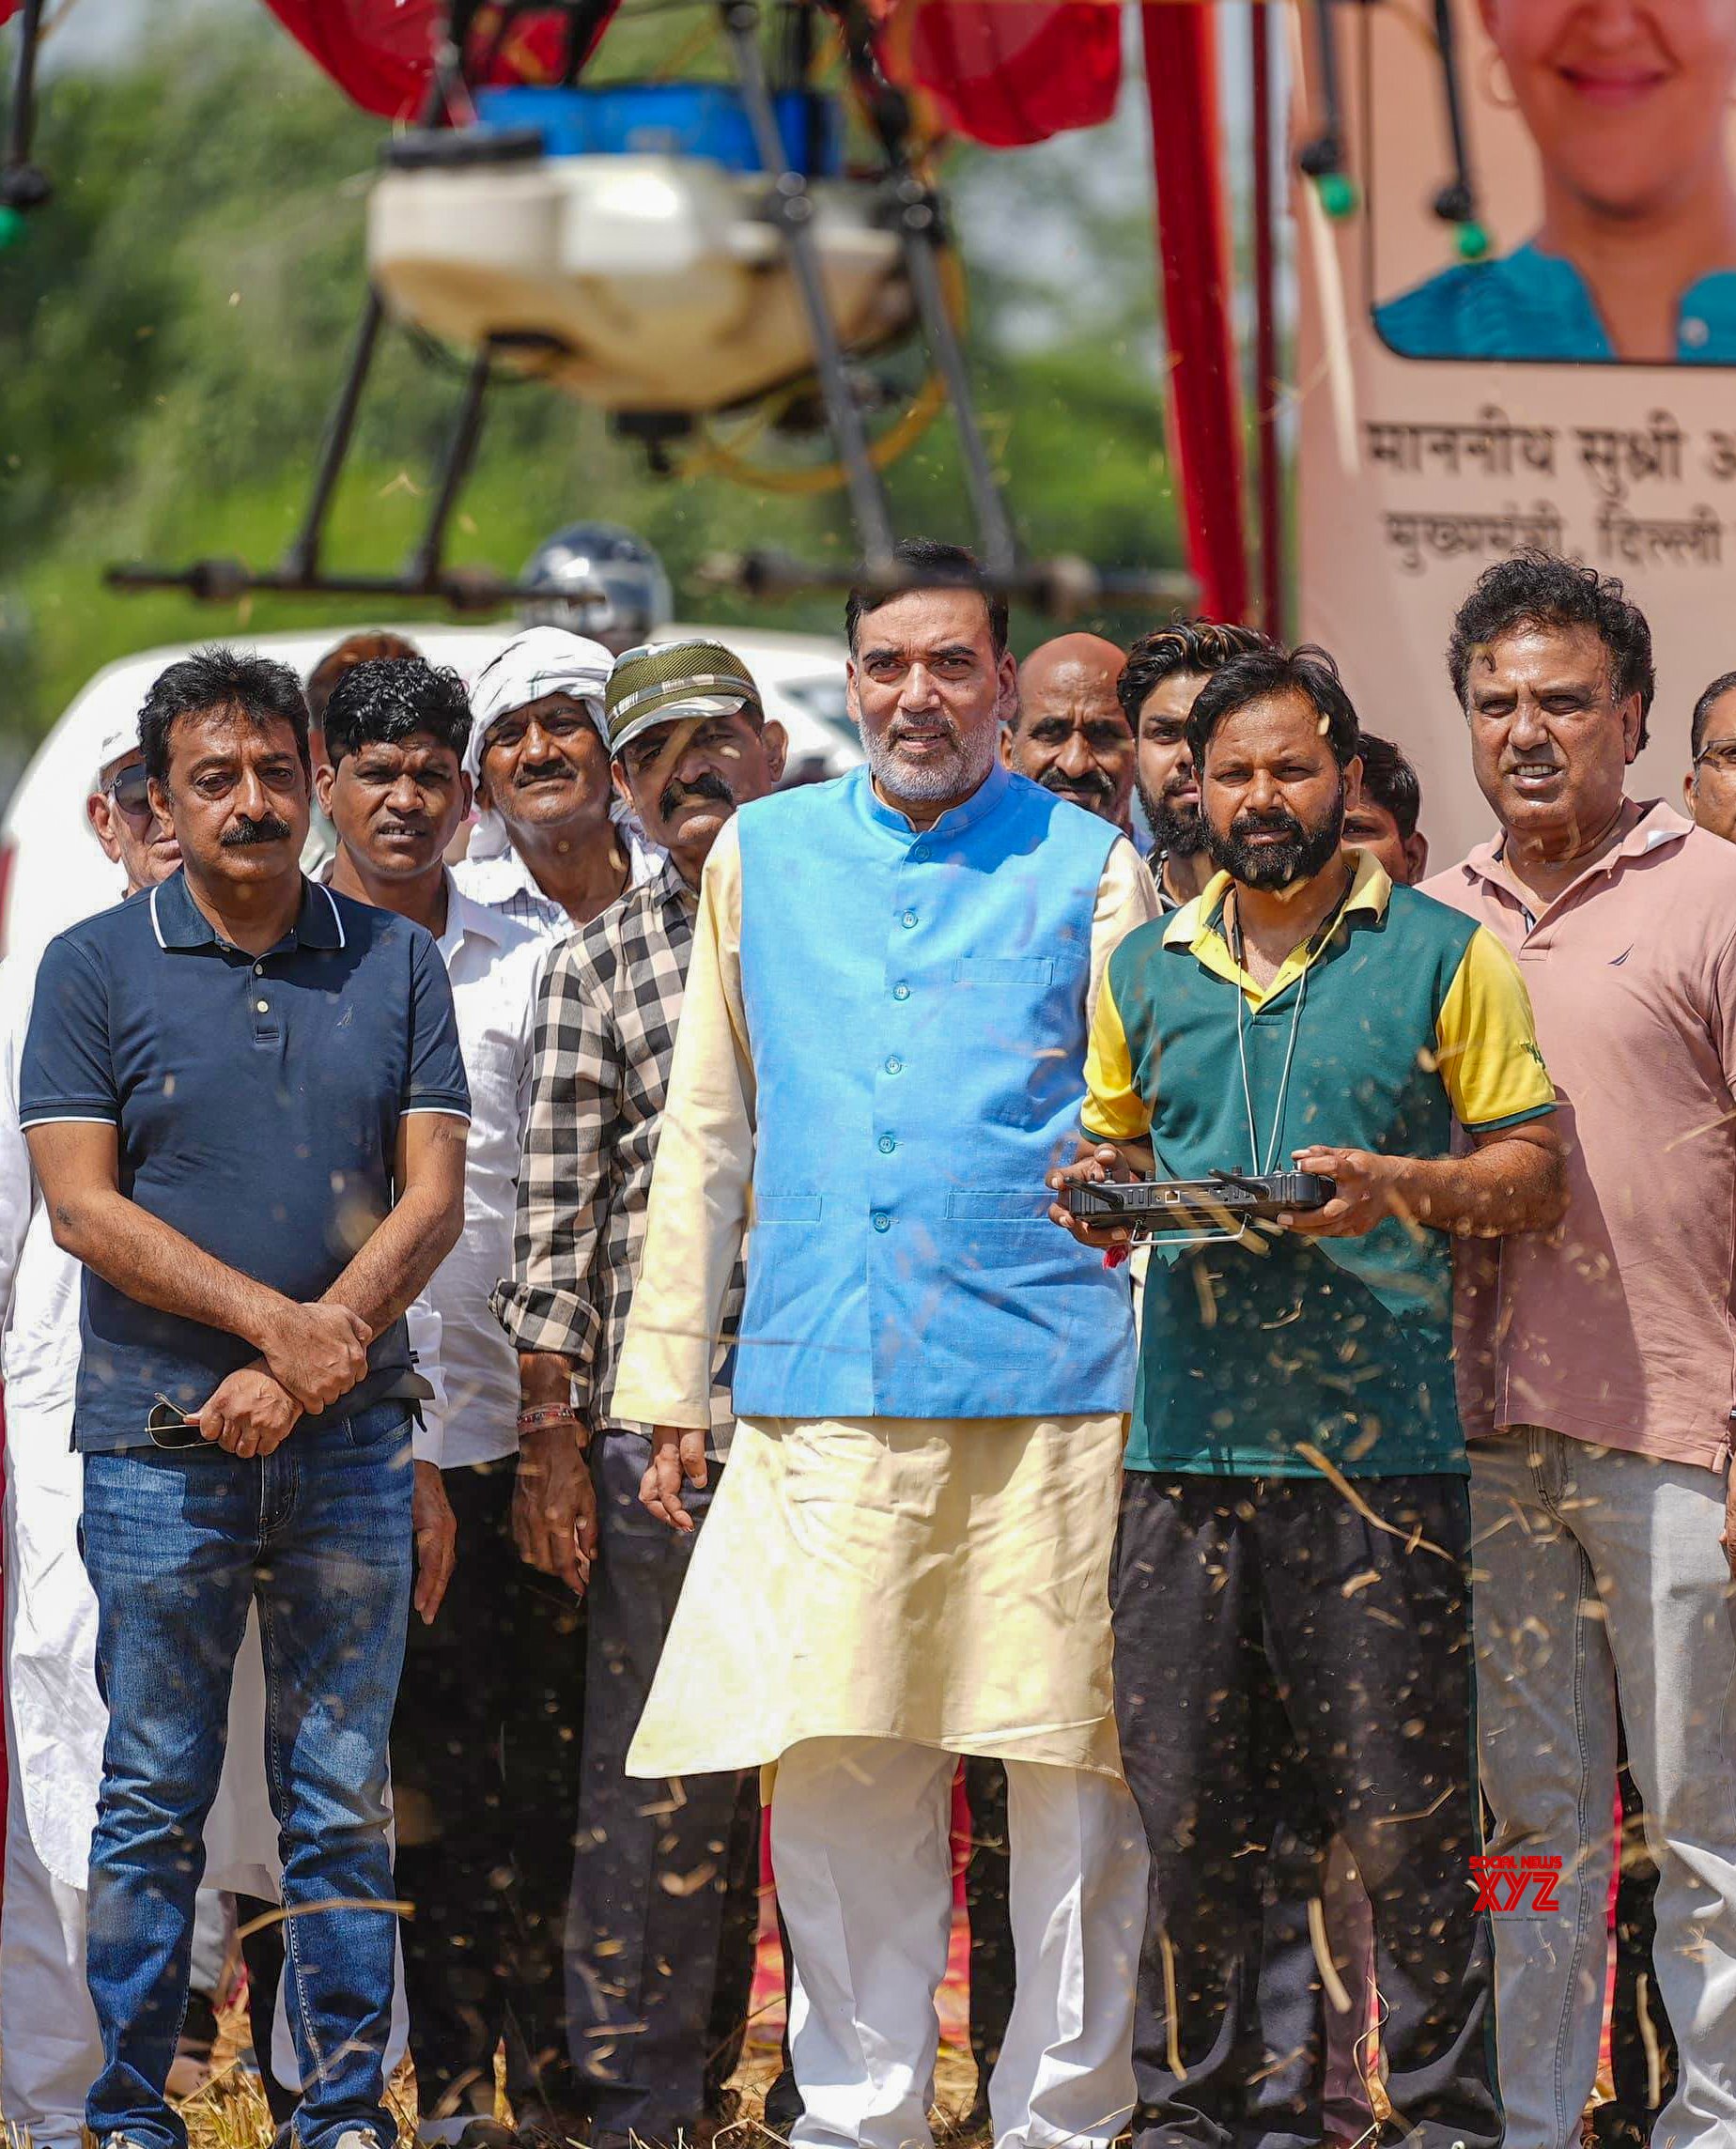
point(52, 872)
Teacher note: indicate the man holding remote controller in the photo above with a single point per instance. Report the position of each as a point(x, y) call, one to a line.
point(1291, 1596)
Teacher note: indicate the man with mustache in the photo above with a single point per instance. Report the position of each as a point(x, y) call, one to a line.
point(484, 1734)
point(663, 1911)
point(907, 1559)
point(1596, 1364)
point(245, 1108)
point(49, 2050)
point(1157, 688)
point(552, 846)
point(1292, 1620)
point(1069, 733)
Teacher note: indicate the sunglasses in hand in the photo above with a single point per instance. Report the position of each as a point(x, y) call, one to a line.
point(169, 1426)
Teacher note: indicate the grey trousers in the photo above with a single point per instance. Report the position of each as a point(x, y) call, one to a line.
point(661, 1927)
point(1594, 1571)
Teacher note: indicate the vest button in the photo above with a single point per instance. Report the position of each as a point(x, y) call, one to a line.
point(901, 992)
point(882, 1221)
point(894, 1065)
point(887, 1145)
point(908, 920)
point(919, 856)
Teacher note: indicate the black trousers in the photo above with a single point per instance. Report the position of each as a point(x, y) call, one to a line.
point(1280, 1660)
point(1626, 2120)
point(987, 1877)
point(665, 1900)
point(262, 1953)
point(486, 1735)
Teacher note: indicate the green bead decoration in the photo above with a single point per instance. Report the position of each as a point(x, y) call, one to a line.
point(11, 227)
point(1472, 241)
point(1337, 195)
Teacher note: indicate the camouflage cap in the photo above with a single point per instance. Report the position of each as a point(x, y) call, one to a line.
point(661, 682)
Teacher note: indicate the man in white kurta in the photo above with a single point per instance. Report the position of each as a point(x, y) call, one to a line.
point(54, 1718)
point(881, 1053)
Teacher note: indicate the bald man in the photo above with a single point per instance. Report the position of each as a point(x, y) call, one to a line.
point(1069, 732)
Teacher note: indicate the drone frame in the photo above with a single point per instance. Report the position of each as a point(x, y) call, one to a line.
point(911, 208)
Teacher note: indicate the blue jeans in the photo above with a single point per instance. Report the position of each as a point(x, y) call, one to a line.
point(178, 1545)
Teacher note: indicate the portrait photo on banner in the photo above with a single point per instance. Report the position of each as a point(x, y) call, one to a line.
point(1599, 137)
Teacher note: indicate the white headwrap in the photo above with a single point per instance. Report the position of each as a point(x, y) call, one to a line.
point(541, 660)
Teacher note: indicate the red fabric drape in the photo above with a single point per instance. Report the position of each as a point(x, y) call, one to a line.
point(381, 57)
point(1007, 73)
point(380, 53)
point(1193, 255)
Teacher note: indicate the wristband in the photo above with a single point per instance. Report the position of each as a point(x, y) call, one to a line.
point(539, 1414)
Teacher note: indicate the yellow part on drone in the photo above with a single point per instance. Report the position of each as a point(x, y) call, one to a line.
point(717, 458)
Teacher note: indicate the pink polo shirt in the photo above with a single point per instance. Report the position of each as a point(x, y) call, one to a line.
point(1617, 1327)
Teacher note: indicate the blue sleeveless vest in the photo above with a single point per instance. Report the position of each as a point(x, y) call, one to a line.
point(916, 1015)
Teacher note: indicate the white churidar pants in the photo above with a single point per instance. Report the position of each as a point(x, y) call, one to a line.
point(859, 1832)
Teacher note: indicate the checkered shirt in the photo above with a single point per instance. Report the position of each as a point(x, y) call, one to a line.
point(606, 1024)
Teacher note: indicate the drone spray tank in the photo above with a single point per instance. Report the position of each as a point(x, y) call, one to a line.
point(612, 243)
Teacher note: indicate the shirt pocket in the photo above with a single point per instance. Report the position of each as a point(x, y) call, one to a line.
point(999, 1204)
point(1005, 971)
point(786, 1208)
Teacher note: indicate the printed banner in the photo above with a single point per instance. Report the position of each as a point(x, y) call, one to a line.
point(1572, 388)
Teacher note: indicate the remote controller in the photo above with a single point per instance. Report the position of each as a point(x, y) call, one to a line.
point(1195, 1204)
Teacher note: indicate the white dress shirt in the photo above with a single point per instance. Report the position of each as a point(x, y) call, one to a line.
point(499, 877)
point(495, 966)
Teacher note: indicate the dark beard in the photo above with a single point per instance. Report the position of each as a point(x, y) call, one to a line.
point(1304, 852)
point(1178, 830)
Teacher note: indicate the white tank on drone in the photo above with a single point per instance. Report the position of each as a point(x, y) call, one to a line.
point(613, 241)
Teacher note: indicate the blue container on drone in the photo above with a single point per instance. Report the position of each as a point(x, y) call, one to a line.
point(670, 119)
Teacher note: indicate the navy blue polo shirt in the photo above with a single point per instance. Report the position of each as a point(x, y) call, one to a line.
point(257, 1100)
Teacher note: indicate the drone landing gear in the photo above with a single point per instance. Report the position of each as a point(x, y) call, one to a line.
point(303, 572)
point(911, 209)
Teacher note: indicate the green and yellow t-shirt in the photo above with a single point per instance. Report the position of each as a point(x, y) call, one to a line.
point(1412, 1016)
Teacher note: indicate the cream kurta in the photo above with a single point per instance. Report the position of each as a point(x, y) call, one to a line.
point(944, 1581)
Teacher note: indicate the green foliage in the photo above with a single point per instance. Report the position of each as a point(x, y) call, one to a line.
point(172, 328)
